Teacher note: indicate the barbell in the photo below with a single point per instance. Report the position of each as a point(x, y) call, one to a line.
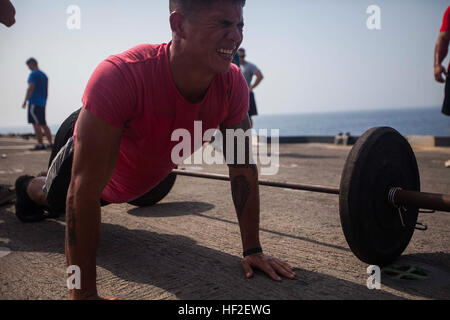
point(379, 195)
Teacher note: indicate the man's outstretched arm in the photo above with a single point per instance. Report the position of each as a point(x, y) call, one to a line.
point(440, 52)
point(245, 193)
point(96, 149)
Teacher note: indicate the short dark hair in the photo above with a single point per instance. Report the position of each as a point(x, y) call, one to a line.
point(189, 6)
point(32, 61)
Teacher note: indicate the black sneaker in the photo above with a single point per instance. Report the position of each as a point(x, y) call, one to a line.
point(7, 195)
point(39, 147)
point(26, 209)
point(49, 146)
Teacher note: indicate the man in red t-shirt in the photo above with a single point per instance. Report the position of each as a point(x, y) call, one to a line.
point(121, 147)
point(440, 53)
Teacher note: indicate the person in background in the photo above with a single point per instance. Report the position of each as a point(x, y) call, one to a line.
point(440, 52)
point(236, 60)
point(250, 70)
point(7, 13)
point(36, 97)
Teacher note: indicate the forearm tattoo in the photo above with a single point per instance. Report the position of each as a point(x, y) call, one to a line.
point(240, 191)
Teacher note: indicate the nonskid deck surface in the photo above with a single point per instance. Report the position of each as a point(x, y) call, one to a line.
point(188, 246)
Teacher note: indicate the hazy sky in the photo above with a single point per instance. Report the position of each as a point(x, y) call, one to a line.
point(316, 55)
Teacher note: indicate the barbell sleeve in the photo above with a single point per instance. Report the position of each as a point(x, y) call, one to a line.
point(420, 200)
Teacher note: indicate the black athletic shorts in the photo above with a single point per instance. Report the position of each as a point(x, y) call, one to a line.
point(253, 111)
point(446, 106)
point(36, 114)
point(60, 166)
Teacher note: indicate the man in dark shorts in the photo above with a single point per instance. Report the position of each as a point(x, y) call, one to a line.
point(249, 70)
point(440, 52)
point(7, 13)
point(121, 147)
point(36, 97)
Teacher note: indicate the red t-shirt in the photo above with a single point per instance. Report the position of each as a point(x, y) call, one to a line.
point(135, 91)
point(446, 22)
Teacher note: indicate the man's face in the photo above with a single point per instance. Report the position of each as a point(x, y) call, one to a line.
point(213, 36)
point(7, 13)
point(31, 66)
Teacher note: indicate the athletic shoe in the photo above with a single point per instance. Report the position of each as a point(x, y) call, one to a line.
point(39, 147)
point(26, 209)
point(49, 146)
point(6, 195)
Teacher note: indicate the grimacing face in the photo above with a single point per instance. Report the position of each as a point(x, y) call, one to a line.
point(213, 37)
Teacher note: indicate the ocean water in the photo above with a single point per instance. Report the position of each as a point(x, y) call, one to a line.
point(418, 121)
point(414, 121)
point(27, 129)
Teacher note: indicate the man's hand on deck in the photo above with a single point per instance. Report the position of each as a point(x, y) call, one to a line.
point(270, 265)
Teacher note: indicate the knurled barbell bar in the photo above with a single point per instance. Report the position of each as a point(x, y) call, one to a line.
point(379, 195)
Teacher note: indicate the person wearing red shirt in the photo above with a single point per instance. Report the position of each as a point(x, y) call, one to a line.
point(121, 146)
point(440, 53)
